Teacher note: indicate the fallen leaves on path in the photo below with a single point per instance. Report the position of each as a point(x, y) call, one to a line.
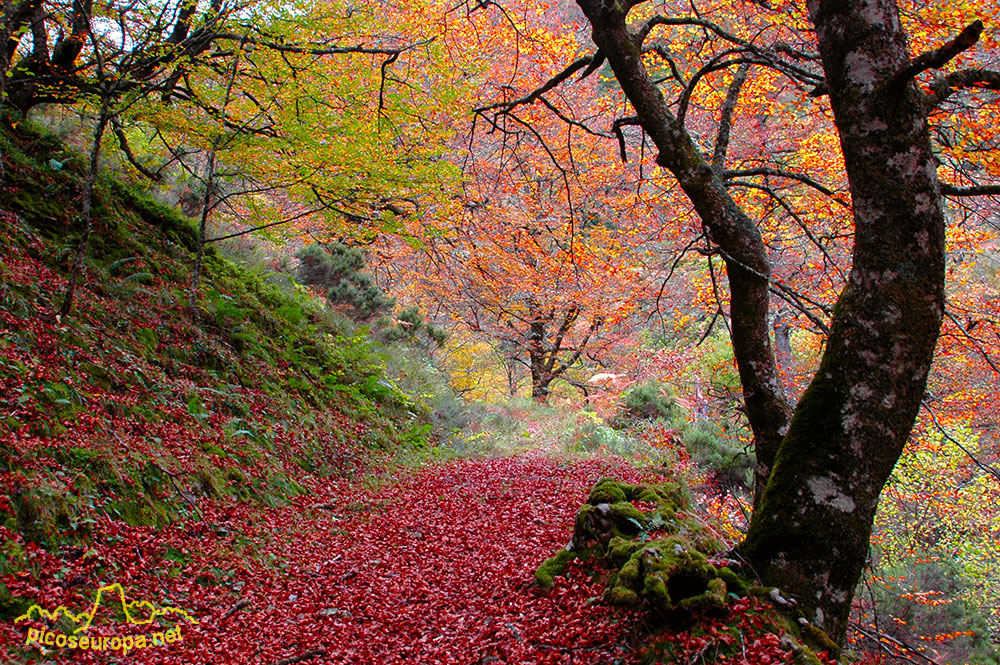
point(434, 569)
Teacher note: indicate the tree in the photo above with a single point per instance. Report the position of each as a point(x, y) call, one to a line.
point(288, 112)
point(822, 465)
point(532, 266)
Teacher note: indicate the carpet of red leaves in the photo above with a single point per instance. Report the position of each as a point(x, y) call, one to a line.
point(436, 568)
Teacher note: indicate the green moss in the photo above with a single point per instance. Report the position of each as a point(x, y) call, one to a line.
point(607, 490)
point(627, 518)
point(41, 513)
point(621, 550)
point(176, 227)
point(734, 584)
point(622, 596)
point(818, 638)
point(665, 569)
point(11, 607)
point(207, 482)
point(212, 449)
point(147, 338)
point(556, 565)
point(99, 376)
point(668, 573)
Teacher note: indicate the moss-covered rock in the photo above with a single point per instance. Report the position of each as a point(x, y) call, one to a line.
point(607, 490)
point(668, 576)
point(664, 561)
point(658, 555)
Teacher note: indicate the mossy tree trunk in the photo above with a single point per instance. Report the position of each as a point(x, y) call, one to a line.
point(826, 463)
point(811, 533)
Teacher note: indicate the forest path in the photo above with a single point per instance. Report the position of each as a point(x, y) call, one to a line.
point(436, 568)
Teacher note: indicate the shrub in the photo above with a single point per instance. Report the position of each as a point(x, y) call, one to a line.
point(920, 604)
point(728, 464)
point(650, 401)
point(341, 272)
point(410, 326)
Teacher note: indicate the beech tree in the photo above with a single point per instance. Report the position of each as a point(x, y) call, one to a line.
point(821, 464)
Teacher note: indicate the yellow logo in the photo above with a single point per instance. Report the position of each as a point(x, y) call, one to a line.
point(136, 613)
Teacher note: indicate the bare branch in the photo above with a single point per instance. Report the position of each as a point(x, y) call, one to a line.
point(980, 79)
point(280, 222)
point(616, 127)
point(728, 109)
point(534, 95)
point(977, 344)
point(902, 648)
point(717, 63)
point(311, 49)
point(119, 131)
point(771, 56)
point(664, 52)
point(972, 190)
point(802, 225)
point(791, 175)
point(570, 121)
point(939, 57)
point(594, 65)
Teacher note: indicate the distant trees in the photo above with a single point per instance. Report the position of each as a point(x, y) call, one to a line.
point(547, 282)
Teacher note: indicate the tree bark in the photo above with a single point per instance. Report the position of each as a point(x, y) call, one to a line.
point(811, 533)
point(540, 377)
point(783, 342)
point(729, 227)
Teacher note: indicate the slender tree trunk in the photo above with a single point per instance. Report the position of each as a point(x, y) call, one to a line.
point(86, 213)
point(206, 208)
point(811, 533)
point(783, 342)
point(540, 376)
point(207, 202)
point(727, 225)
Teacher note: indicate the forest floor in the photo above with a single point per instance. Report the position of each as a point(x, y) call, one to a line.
point(435, 567)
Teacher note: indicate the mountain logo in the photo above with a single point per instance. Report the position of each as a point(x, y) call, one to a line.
point(110, 599)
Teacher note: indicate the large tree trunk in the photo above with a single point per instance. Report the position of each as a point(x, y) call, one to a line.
point(810, 535)
point(810, 531)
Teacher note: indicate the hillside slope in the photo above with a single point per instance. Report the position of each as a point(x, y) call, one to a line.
point(126, 415)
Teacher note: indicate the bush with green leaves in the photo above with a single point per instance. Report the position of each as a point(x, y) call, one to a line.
point(727, 462)
point(409, 326)
point(341, 272)
point(649, 401)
